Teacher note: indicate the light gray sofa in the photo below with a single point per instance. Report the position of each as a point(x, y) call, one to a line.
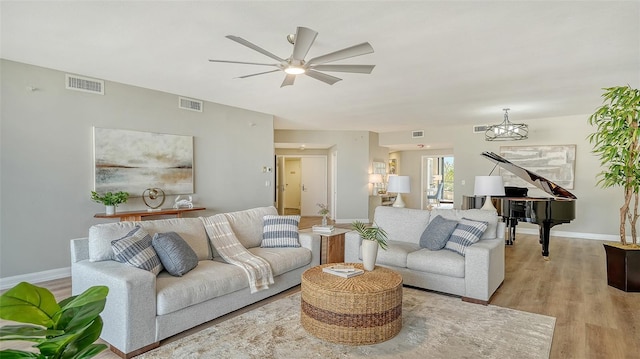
point(474, 277)
point(143, 309)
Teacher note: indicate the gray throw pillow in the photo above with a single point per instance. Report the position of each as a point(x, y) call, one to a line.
point(177, 257)
point(437, 233)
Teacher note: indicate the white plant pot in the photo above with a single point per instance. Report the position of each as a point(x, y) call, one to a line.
point(110, 210)
point(369, 254)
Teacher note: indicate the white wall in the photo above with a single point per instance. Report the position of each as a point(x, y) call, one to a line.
point(596, 208)
point(47, 159)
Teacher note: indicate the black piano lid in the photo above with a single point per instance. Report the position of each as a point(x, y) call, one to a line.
point(531, 177)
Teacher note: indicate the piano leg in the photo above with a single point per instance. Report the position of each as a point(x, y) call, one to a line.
point(545, 230)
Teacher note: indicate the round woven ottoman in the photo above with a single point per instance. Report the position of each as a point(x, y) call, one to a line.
point(365, 309)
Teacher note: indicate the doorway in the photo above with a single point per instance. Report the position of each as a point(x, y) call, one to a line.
point(301, 183)
point(437, 181)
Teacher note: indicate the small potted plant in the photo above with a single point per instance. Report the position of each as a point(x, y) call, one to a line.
point(616, 141)
point(110, 200)
point(324, 212)
point(372, 237)
point(65, 329)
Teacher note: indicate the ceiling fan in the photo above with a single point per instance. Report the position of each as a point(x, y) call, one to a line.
point(296, 65)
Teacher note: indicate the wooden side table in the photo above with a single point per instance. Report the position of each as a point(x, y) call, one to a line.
point(137, 215)
point(331, 245)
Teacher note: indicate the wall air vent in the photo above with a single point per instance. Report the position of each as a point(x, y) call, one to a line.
point(189, 104)
point(417, 134)
point(84, 84)
point(480, 128)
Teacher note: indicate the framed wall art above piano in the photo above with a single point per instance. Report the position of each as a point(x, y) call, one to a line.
point(554, 162)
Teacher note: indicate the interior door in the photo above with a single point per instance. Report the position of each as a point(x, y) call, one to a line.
point(280, 170)
point(313, 184)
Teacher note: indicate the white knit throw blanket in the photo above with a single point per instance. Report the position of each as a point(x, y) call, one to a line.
point(232, 251)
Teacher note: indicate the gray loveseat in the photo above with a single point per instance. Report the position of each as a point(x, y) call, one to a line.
point(474, 276)
point(143, 309)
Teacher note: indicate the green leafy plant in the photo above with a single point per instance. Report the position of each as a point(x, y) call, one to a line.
point(323, 209)
point(110, 199)
point(64, 330)
point(376, 234)
point(617, 143)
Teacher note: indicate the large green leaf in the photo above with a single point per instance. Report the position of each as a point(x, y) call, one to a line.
point(17, 354)
point(90, 351)
point(75, 318)
point(84, 339)
point(26, 332)
point(27, 303)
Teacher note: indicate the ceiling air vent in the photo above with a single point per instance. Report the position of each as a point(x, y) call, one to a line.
point(480, 128)
point(189, 104)
point(84, 84)
point(417, 134)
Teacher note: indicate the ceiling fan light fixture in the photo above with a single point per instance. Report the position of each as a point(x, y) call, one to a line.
point(294, 70)
point(507, 130)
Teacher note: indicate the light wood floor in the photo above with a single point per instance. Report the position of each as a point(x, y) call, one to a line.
point(593, 320)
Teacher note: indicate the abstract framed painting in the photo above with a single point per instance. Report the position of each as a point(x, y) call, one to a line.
point(554, 162)
point(133, 161)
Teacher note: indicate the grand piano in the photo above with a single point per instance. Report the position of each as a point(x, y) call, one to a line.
point(517, 206)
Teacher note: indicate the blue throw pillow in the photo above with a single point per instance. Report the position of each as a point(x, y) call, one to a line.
point(467, 232)
point(177, 257)
point(437, 233)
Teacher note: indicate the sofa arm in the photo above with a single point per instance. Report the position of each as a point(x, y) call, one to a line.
point(130, 312)
point(308, 240)
point(484, 268)
point(352, 241)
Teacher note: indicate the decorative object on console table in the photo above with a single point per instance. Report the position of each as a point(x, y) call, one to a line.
point(399, 185)
point(488, 186)
point(372, 237)
point(137, 215)
point(186, 202)
point(153, 198)
point(110, 200)
point(617, 142)
point(324, 212)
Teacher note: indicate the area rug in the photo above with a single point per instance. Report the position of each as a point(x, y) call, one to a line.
point(434, 326)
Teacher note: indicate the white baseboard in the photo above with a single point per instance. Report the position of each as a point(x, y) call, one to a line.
point(9, 282)
point(343, 221)
point(593, 236)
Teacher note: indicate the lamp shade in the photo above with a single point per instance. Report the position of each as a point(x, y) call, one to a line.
point(375, 178)
point(488, 186)
point(399, 184)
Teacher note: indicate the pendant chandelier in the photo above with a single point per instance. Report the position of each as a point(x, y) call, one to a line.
point(507, 130)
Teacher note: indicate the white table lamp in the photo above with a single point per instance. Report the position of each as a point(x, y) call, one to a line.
point(399, 184)
point(488, 186)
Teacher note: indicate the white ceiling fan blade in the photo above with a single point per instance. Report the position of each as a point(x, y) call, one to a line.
point(361, 69)
point(259, 73)
point(356, 50)
point(288, 80)
point(304, 39)
point(253, 47)
point(322, 77)
point(243, 62)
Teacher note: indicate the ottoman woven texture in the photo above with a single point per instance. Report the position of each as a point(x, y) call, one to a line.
point(365, 309)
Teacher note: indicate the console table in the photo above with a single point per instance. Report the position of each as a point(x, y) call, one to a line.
point(137, 215)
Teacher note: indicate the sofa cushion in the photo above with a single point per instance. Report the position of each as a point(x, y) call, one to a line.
point(247, 224)
point(283, 260)
point(280, 231)
point(396, 253)
point(402, 224)
point(445, 263)
point(190, 229)
point(175, 254)
point(467, 232)
point(101, 236)
point(136, 250)
point(491, 217)
point(437, 233)
point(210, 279)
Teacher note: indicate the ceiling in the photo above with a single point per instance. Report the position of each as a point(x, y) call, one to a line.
point(437, 62)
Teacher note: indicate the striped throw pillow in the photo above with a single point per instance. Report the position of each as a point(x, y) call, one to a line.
point(280, 231)
point(136, 249)
point(467, 232)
